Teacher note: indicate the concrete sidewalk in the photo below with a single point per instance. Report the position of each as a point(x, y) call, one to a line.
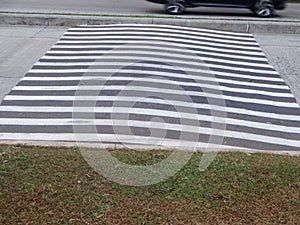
point(20, 48)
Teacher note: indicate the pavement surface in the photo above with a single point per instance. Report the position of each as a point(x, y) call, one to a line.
point(132, 7)
point(74, 12)
point(23, 46)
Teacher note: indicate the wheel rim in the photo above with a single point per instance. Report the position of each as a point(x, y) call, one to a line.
point(264, 12)
point(264, 9)
point(175, 8)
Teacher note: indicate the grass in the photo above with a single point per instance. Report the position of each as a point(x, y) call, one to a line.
point(43, 185)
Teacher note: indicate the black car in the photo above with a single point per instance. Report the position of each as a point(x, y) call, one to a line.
point(262, 8)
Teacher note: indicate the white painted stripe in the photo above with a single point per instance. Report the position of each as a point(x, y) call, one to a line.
point(146, 80)
point(231, 134)
point(140, 72)
point(139, 33)
point(149, 124)
point(140, 58)
point(153, 90)
point(162, 48)
point(181, 45)
point(147, 66)
point(185, 56)
point(160, 40)
point(179, 114)
point(166, 28)
point(93, 138)
point(56, 109)
point(76, 78)
point(40, 136)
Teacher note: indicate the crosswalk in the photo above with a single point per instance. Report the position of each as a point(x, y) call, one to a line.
point(154, 85)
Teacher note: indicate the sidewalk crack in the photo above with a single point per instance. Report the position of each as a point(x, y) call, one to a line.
point(40, 31)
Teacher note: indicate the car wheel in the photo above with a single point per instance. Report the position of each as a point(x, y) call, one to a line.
point(174, 7)
point(264, 8)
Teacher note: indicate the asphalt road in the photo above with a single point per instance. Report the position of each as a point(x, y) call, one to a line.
point(132, 7)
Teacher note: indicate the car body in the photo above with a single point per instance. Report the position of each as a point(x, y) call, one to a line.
point(262, 8)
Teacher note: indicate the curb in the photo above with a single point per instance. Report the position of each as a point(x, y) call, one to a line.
point(118, 147)
point(237, 25)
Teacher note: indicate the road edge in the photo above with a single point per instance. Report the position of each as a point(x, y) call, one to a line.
point(248, 26)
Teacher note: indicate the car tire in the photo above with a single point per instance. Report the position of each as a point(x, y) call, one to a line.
point(264, 8)
point(174, 7)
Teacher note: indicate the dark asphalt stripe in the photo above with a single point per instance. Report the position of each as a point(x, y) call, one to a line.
point(80, 74)
point(103, 48)
point(40, 103)
point(87, 115)
point(261, 119)
point(241, 78)
point(231, 64)
point(56, 67)
point(202, 80)
point(258, 145)
point(259, 96)
point(67, 60)
point(178, 58)
point(233, 71)
point(251, 80)
point(143, 35)
point(239, 72)
point(72, 54)
point(181, 87)
point(263, 108)
point(44, 93)
point(257, 67)
point(50, 83)
point(36, 129)
point(123, 84)
point(192, 48)
point(75, 50)
point(232, 104)
point(132, 116)
point(123, 91)
point(230, 127)
point(264, 132)
point(177, 121)
point(125, 41)
point(147, 32)
point(147, 52)
point(38, 115)
point(144, 132)
point(200, 75)
point(169, 29)
point(269, 89)
point(206, 112)
point(146, 72)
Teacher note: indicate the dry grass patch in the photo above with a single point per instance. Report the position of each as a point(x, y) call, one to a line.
point(41, 185)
